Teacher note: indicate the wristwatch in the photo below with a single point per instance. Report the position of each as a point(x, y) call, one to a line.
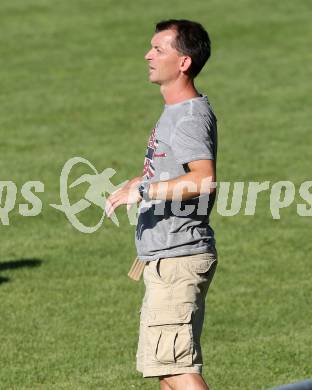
point(143, 190)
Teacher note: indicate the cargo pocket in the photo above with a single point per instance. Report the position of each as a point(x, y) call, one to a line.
point(201, 264)
point(170, 335)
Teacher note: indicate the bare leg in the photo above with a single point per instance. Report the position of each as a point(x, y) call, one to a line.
point(186, 382)
point(163, 384)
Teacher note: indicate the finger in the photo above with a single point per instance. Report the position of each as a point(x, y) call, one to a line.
point(109, 202)
point(113, 207)
point(108, 206)
point(114, 192)
point(108, 210)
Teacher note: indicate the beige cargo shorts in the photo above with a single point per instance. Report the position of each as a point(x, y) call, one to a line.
point(172, 314)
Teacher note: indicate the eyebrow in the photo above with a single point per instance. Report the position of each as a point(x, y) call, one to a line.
point(156, 46)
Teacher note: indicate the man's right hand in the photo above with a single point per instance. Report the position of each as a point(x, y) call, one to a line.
point(135, 181)
point(128, 194)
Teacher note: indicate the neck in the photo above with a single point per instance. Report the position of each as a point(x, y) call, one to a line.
point(179, 91)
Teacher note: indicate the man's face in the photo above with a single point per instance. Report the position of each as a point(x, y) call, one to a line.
point(163, 60)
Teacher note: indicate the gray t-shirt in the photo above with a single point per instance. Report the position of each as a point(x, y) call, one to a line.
point(185, 132)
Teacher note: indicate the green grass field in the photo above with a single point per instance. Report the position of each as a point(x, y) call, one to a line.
point(74, 83)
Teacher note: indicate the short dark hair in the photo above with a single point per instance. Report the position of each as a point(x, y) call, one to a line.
point(191, 40)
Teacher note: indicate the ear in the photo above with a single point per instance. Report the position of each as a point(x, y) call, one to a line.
point(186, 62)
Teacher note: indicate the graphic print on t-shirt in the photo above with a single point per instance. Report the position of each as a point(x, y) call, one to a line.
point(149, 169)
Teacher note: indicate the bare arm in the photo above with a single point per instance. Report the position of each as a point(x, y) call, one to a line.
point(198, 181)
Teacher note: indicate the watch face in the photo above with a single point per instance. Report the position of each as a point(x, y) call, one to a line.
point(141, 190)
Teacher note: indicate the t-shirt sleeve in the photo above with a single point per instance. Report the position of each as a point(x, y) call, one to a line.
point(193, 139)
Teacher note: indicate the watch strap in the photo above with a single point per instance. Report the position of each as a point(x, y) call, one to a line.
point(143, 191)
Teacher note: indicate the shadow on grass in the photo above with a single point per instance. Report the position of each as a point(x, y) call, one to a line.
point(3, 280)
point(16, 264)
point(305, 385)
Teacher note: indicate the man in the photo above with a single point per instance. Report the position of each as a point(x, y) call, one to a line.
point(176, 195)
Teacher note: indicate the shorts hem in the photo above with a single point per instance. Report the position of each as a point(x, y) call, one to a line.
point(162, 371)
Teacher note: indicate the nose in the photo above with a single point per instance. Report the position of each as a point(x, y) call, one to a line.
point(148, 55)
